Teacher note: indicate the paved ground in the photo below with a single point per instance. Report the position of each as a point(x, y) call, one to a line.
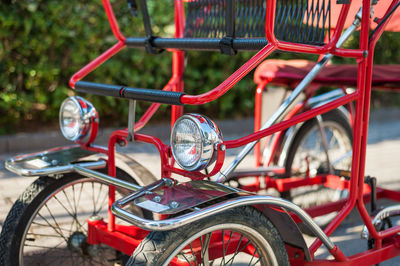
point(382, 161)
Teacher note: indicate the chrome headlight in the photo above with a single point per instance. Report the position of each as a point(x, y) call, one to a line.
point(76, 118)
point(193, 141)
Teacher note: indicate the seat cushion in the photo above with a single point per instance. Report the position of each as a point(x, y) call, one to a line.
point(290, 72)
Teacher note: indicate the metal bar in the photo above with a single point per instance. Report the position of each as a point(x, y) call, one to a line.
point(205, 44)
point(53, 170)
point(291, 99)
point(321, 127)
point(146, 17)
point(159, 96)
point(173, 223)
point(143, 191)
point(105, 178)
point(131, 119)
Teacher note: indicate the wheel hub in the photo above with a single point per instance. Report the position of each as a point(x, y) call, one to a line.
point(77, 242)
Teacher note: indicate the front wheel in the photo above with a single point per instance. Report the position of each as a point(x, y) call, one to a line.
point(240, 236)
point(47, 225)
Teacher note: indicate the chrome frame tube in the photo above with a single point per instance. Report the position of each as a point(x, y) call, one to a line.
point(105, 178)
point(131, 119)
point(173, 223)
point(222, 177)
point(321, 127)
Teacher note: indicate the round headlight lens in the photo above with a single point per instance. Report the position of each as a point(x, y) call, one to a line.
point(76, 115)
point(192, 141)
point(187, 143)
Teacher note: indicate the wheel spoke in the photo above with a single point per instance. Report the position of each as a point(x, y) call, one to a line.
point(44, 235)
point(102, 203)
point(238, 251)
point(54, 228)
point(255, 251)
point(204, 249)
point(224, 250)
point(74, 216)
point(95, 211)
point(46, 225)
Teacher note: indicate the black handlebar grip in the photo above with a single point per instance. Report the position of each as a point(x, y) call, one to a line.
point(168, 97)
point(98, 88)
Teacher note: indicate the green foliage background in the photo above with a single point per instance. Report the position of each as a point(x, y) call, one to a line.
point(43, 42)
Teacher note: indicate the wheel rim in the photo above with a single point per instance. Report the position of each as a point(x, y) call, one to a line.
point(224, 244)
point(311, 152)
point(57, 230)
point(311, 155)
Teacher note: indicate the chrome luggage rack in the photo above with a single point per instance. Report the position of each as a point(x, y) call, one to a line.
point(188, 213)
point(53, 161)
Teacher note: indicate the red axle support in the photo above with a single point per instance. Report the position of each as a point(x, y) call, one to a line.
point(124, 239)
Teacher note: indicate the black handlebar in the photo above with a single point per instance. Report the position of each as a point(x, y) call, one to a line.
point(168, 97)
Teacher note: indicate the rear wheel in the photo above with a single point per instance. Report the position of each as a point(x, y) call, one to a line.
point(241, 236)
point(47, 225)
point(307, 158)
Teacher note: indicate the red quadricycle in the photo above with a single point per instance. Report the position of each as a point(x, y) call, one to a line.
point(314, 155)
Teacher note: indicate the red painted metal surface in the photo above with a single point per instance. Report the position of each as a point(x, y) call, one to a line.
point(124, 239)
point(291, 122)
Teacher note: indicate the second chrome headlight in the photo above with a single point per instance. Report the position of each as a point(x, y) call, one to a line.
point(193, 141)
point(76, 118)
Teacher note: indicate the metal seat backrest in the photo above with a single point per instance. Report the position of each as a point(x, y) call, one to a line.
point(297, 21)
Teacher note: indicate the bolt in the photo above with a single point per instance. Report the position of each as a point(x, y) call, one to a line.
point(222, 147)
point(44, 158)
point(95, 218)
point(122, 143)
point(54, 162)
point(157, 199)
point(174, 204)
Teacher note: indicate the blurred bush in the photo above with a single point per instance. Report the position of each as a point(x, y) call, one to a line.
point(43, 42)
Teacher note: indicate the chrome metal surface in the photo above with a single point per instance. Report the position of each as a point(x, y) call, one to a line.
point(172, 223)
point(378, 219)
point(259, 171)
point(324, 98)
point(183, 196)
point(291, 99)
point(210, 136)
point(53, 161)
point(105, 178)
point(131, 119)
point(87, 113)
point(140, 192)
point(321, 127)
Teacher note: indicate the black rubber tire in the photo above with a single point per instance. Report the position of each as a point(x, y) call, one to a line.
point(158, 246)
point(19, 217)
point(341, 122)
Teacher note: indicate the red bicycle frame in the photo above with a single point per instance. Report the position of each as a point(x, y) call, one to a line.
point(361, 97)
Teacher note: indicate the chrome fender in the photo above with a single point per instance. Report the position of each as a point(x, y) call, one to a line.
point(186, 202)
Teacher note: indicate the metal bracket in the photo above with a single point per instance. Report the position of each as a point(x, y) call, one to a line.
point(131, 120)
